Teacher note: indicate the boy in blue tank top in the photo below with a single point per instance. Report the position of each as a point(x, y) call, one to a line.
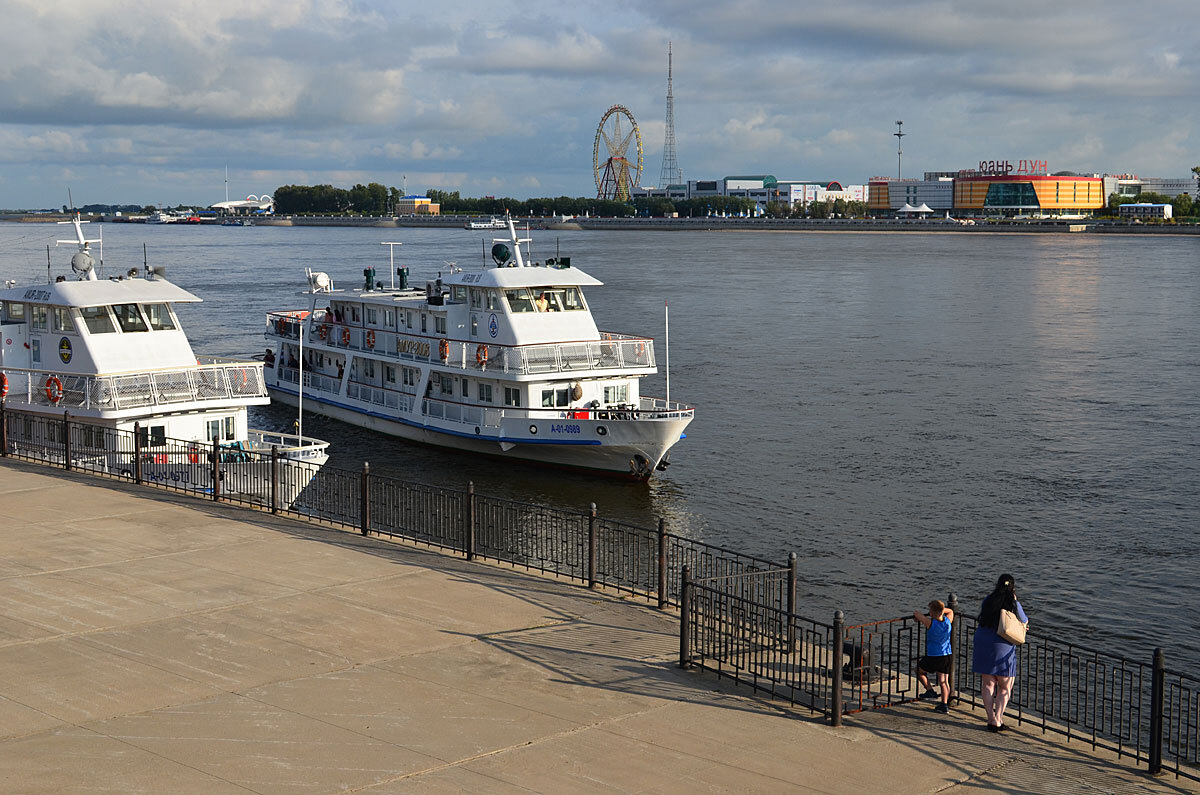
point(939, 656)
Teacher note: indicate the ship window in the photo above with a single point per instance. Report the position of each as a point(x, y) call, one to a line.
point(474, 325)
point(616, 394)
point(230, 428)
point(389, 318)
point(35, 348)
point(424, 323)
point(372, 316)
point(492, 299)
point(98, 320)
point(439, 324)
point(512, 396)
point(356, 314)
point(410, 376)
point(129, 318)
point(554, 397)
point(154, 435)
point(519, 300)
point(62, 320)
point(214, 429)
point(408, 318)
point(458, 294)
point(466, 388)
point(37, 316)
point(485, 393)
point(571, 298)
point(14, 312)
point(447, 385)
point(160, 317)
point(389, 374)
point(476, 298)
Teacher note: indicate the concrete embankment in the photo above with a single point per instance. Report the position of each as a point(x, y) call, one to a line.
point(153, 642)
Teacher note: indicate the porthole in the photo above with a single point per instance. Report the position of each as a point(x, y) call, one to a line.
point(533, 429)
point(601, 430)
point(476, 430)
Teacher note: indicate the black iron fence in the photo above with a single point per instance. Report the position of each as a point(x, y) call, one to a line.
point(583, 547)
point(1135, 708)
point(739, 618)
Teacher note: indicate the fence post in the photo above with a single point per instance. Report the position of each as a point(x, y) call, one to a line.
point(216, 470)
point(469, 518)
point(66, 429)
point(3, 429)
point(955, 634)
point(364, 500)
point(791, 604)
point(662, 563)
point(137, 453)
point(685, 609)
point(274, 478)
point(1157, 696)
point(839, 638)
point(591, 561)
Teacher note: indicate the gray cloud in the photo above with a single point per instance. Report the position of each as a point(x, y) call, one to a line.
point(148, 103)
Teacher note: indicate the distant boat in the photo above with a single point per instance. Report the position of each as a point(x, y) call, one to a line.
point(161, 218)
point(237, 222)
point(493, 223)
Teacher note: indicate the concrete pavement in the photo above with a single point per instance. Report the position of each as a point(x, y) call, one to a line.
point(152, 642)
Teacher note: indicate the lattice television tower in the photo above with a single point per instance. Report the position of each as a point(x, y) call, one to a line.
point(671, 173)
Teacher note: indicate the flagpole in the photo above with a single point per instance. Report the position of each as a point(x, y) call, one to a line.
point(667, 335)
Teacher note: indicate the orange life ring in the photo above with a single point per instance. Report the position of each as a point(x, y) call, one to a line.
point(444, 349)
point(345, 336)
point(3, 385)
point(371, 338)
point(481, 355)
point(245, 377)
point(54, 389)
point(641, 349)
point(323, 332)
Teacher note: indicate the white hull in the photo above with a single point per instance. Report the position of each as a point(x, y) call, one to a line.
point(620, 447)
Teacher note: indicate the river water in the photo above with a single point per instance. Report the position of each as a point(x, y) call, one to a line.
point(910, 414)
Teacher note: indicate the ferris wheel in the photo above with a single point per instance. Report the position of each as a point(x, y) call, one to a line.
point(619, 172)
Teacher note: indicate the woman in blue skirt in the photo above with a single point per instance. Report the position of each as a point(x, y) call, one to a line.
point(995, 658)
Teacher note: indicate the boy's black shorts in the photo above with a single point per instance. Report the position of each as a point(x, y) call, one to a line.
point(936, 665)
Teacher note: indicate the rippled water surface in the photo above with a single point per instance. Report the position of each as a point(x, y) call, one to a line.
point(910, 414)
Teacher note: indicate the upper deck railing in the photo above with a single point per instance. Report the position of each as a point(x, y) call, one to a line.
point(610, 352)
point(216, 380)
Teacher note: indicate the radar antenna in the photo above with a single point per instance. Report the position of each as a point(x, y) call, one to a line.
point(82, 262)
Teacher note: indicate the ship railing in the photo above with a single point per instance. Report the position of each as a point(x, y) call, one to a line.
point(223, 379)
point(263, 441)
point(646, 409)
point(312, 380)
point(610, 352)
point(286, 324)
point(452, 411)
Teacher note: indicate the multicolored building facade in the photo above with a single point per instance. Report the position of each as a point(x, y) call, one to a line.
point(992, 194)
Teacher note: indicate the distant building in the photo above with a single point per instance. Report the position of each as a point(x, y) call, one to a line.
point(1145, 211)
point(1028, 194)
point(806, 192)
point(417, 205)
point(888, 195)
point(1133, 185)
point(251, 205)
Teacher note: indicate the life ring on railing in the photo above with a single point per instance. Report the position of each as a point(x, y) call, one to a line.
point(641, 349)
point(481, 355)
point(323, 331)
point(54, 389)
point(3, 385)
point(371, 338)
point(444, 349)
point(345, 336)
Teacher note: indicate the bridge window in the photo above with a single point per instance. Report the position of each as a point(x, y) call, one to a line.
point(97, 320)
point(458, 294)
point(491, 299)
point(476, 298)
point(160, 317)
point(37, 316)
point(14, 312)
point(129, 318)
point(519, 300)
point(62, 320)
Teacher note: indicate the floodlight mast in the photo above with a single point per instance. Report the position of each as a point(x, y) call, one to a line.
point(899, 134)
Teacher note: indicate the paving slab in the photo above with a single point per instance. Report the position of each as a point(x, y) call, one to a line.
point(153, 642)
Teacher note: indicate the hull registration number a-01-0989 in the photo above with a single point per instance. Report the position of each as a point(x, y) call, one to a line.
point(565, 429)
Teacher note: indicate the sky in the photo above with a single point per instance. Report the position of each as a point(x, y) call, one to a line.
point(148, 103)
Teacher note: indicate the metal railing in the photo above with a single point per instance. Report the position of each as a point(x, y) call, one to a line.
point(610, 352)
point(216, 381)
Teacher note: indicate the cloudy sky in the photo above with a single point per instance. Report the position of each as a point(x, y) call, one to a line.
point(147, 103)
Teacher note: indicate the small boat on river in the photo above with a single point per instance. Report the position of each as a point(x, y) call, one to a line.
point(505, 360)
point(111, 353)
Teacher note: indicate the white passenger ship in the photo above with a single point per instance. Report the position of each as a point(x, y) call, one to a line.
point(111, 352)
point(506, 360)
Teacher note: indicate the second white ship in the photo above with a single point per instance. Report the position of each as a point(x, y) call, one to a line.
point(506, 360)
